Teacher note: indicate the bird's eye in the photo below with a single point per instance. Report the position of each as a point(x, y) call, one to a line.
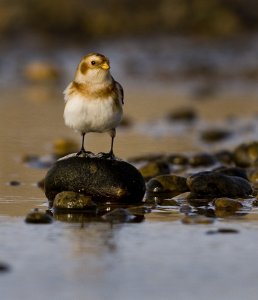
point(93, 62)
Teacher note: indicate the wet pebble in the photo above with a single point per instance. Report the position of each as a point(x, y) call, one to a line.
point(4, 267)
point(196, 219)
point(227, 204)
point(202, 159)
point(224, 156)
point(223, 231)
point(14, 183)
point(172, 184)
point(38, 217)
point(69, 200)
point(40, 71)
point(178, 159)
point(184, 114)
point(215, 135)
point(153, 169)
point(214, 184)
point(246, 154)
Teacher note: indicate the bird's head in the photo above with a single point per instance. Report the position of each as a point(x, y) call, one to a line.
point(94, 67)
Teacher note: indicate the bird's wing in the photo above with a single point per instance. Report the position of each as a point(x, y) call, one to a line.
point(120, 91)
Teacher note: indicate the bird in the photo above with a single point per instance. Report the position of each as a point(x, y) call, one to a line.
point(94, 100)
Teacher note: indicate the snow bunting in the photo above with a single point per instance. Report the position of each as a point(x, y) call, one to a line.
point(93, 100)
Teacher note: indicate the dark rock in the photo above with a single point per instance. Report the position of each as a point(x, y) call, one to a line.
point(223, 230)
point(14, 183)
point(153, 169)
point(169, 184)
point(38, 217)
point(4, 267)
point(232, 171)
point(69, 200)
point(214, 184)
point(245, 155)
point(103, 179)
point(215, 135)
point(182, 115)
point(202, 159)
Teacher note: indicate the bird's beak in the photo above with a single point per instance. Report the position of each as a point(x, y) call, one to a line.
point(105, 66)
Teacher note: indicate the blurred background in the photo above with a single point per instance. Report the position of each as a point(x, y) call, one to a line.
point(177, 58)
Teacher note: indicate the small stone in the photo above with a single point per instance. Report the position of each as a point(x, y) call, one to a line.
point(178, 159)
point(4, 267)
point(182, 115)
point(214, 185)
point(224, 156)
point(227, 204)
point(104, 180)
point(39, 71)
point(153, 169)
point(245, 155)
point(68, 200)
point(63, 146)
point(215, 135)
point(14, 183)
point(223, 230)
point(118, 215)
point(169, 184)
point(146, 158)
point(202, 159)
point(38, 217)
point(197, 219)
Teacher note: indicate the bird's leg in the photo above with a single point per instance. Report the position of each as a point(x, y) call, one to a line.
point(83, 151)
point(110, 154)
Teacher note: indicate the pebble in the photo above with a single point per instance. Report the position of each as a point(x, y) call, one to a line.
point(69, 200)
point(215, 135)
point(227, 204)
point(40, 71)
point(170, 184)
point(38, 217)
point(202, 159)
point(224, 156)
point(154, 168)
point(196, 219)
point(4, 267)
point(184, 114)
point(245, 155)
point(223, 230)
point(214, 185)
point(178, 159)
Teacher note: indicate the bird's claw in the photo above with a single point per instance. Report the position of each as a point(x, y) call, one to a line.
point(109, 155)
point(84, 153)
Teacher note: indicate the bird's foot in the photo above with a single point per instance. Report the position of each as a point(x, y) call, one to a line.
point(84, 153)
point(109, 155)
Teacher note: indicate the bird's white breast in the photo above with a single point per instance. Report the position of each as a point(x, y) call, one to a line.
point(98, 115)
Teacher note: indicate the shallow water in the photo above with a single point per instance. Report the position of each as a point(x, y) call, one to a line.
point(159, 258)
